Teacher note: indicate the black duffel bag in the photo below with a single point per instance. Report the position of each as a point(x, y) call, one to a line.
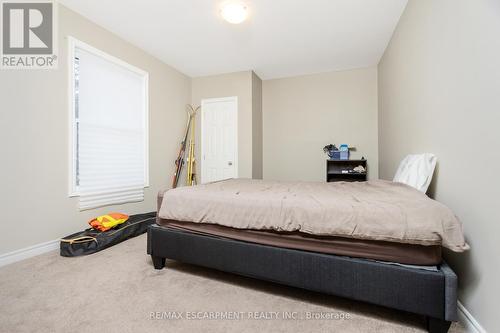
point(90, 240)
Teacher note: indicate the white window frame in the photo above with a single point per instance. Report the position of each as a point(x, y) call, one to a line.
point(73, 44)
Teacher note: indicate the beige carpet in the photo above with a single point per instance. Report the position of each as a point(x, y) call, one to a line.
point(117, 290)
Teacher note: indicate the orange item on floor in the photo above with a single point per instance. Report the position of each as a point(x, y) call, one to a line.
point(108, 221)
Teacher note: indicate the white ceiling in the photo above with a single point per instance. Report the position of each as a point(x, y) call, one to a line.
point(281, 37)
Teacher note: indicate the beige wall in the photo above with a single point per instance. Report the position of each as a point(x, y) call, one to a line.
point(34, 138)
point(226, 85)
point(257, 166)
point(439, 92)
point(303, 114)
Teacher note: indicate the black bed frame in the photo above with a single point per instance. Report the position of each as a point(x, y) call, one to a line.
point(428, 293)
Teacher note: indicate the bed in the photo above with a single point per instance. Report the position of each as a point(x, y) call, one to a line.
point(378, 242)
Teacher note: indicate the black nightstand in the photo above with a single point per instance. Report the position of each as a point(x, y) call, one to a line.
point(342, 171)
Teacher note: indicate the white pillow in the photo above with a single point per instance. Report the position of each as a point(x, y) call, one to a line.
point(416, 171)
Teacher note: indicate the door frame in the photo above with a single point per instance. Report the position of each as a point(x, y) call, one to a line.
point(202, 124)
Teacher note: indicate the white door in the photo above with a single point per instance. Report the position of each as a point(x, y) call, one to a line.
point(219, 139)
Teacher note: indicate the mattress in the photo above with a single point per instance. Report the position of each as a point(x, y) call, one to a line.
point(376, 210)
point(411, 254)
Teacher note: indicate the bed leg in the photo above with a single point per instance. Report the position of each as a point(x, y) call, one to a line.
point(435, 325)
point(158, 262)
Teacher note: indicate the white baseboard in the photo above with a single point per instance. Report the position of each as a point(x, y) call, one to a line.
point(470, 323)
point(28, 252)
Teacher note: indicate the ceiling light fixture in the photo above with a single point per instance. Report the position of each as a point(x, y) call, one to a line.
point(234, 12)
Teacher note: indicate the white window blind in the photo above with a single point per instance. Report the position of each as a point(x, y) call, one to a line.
point(110, 125)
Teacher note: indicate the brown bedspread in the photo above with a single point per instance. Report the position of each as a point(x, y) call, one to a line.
point(410, 254)
point(373, 210)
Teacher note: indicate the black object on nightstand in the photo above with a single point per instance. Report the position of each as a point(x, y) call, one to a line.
point(343, 170)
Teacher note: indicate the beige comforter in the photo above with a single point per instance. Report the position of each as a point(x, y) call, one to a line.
point(375, 210)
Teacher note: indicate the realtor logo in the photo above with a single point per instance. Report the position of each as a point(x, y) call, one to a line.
point(28, 34)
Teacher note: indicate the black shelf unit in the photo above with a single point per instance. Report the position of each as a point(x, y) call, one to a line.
point(336, 170)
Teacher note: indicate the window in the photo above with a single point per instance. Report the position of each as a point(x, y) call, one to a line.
point(109, 128)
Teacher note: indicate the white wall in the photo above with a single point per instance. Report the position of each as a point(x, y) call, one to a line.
point(303, 114)
point(257, 148)
point(439, 92)
point(34, 113)
point(226, 85)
